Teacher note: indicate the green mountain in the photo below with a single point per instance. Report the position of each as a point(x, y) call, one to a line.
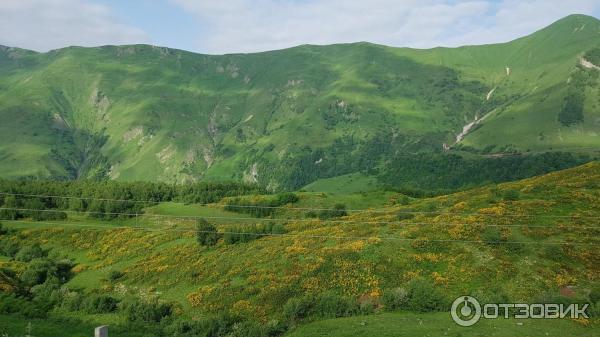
point(289, 117)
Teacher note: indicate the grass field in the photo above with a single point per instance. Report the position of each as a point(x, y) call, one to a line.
point(439, 324)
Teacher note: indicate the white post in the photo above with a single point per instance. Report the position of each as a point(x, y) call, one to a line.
point(101, 331)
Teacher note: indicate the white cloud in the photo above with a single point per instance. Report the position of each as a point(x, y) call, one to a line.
point(258, 25)
point(48, 24)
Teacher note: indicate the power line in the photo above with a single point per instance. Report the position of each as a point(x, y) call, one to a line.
point(336, 237)
point(196, 217)
point(313, 209)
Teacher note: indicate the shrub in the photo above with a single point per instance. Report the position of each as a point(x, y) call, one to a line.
point(37, 272)
point(297, 308)
point(9, 248)
point(594, 310)
point(404, 215)
point(221, 324)
point(247, 233)
point(12, 304)
point(151, 311)
point(572, 110)
point(260, 208)
point(511, 195)
point(100, 304)
point(593, 55)
point(206, 233)
point(337, 211)
point(311, 214)
point(395, 299)
point(40, 270)
point(492, 236)
point(423, 296)
point(115, 275)
point(404, 200)
point(285, 198)
point(72, 301)
point(28, 253)
point(330, 305)
point(46, 294)
point(327, 305)
point(594, 294)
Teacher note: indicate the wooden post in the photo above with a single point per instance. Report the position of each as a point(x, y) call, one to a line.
point(101, 331)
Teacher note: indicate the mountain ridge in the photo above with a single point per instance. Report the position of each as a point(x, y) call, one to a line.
point(569, 19)
point(288, 117)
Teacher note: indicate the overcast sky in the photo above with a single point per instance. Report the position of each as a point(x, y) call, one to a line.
point(226, 26)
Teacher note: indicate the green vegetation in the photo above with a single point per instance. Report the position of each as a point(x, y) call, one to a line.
point(436, 324)
point(269, 278)
point(206, 234)
point(593, 55)
point(260, 206)
point(391, 218)
point(104, 200)
point(288, 118)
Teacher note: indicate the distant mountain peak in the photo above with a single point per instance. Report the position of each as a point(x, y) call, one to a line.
point(575, 21)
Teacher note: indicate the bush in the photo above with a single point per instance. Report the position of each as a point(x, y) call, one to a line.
point(395, 299)
point(247, 233)
point(594, 310)
point(9, 248)
point(206, 233)
point(285, 198)
point(263, 207)
point(492, 236)
point(40, 270)
point(12, 304)
point(37, 272)
point(404, 215)
point(222, 324)
point(115, 275)
point(311, 214)
point(72, 301)
point(511, 195)
point(328, 305)
point(28, 253)
point(594, 294)
point(46, 294)
point(297, 308)
point(331, 305)
point(151, 311)
point(423, 296)
point(100, 304)
point(337, 211)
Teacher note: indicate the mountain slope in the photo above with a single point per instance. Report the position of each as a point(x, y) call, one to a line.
point(287, 117)
point(519, 242)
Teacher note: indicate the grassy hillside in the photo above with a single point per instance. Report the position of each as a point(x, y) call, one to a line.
point(439, 324)
point(519, 241)
point(290, 117)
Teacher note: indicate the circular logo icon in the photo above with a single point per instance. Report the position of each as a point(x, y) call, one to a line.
point(465, 311)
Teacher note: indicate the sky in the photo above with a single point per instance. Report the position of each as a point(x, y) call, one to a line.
point(235, 26)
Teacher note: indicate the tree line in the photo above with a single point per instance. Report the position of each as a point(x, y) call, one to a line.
point(105, 199)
